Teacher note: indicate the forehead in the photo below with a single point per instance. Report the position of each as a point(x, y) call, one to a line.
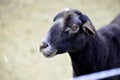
point(65, 14)
point(63, 17)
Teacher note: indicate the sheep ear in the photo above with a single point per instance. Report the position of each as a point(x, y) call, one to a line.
point(89, 28)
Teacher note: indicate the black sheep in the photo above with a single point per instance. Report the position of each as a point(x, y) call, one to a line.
point(90, 50)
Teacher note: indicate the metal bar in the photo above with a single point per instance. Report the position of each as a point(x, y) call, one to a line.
point(100, 75)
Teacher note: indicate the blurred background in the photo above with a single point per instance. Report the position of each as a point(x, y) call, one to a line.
point(22, 25)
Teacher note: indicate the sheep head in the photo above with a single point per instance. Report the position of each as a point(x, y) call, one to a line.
point(68, 33)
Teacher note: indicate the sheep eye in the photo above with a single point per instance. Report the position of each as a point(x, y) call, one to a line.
point(73, 29)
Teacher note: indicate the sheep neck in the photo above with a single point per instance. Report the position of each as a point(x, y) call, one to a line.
point(84, 61)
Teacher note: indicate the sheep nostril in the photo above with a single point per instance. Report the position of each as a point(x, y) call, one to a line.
point(43, 46)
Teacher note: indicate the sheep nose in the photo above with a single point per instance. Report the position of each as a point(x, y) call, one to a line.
point(43, 45)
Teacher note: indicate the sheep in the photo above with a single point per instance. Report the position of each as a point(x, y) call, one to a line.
point(90, 50)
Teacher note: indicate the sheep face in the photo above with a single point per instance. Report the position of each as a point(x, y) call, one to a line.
point(67, 34)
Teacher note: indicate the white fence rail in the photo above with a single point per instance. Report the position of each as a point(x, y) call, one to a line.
point(100, 75)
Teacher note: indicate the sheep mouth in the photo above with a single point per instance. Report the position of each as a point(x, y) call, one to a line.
point(49, 52)
point(49, 55)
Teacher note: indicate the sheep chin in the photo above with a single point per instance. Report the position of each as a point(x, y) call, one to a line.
point(49, 52)
point(50, 55)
